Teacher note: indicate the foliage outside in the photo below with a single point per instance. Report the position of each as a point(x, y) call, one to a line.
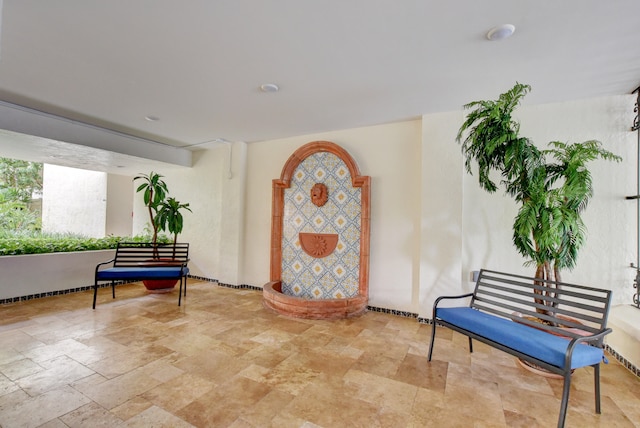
point(14, 244)
point(20, 226)
point(552, 186)
point(19, 181)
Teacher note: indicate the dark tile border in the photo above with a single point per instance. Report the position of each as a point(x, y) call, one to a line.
point(404, 314)
point(202, 278)
point(622, 360)
point(56, 293)
point(240, 286)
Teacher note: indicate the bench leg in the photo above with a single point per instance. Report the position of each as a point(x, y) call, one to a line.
point(113, 289)
point(95, 293)
point(433, 338)
point(596, 378)
point(185, 289)
point(470, 345)
point(565, 399)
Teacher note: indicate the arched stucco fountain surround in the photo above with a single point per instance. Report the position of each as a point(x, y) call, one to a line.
point(310, 279)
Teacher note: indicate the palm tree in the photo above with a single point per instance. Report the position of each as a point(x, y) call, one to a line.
point(548, 229)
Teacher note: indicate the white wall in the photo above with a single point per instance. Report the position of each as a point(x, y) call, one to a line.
point(431, 223)
point(485, 225)
point(203, 186)
point(74, 200)
point(119, 205)
point(442, 208)
point(610, 219)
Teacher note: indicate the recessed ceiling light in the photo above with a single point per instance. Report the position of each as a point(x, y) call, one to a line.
point(269, 87)
point(152, 118)
point(501, 32)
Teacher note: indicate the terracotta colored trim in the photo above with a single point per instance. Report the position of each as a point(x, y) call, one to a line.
point(279, 186)
point(318, 147)
point(325, 309)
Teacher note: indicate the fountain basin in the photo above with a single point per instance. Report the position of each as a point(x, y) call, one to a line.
point(323, 309)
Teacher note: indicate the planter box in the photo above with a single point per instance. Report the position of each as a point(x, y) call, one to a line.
point(37, 275)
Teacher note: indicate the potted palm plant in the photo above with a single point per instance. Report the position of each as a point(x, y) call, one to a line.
point(165, 213)
point(552, 186)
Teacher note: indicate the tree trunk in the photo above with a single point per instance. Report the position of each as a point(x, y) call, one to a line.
point(544, 272)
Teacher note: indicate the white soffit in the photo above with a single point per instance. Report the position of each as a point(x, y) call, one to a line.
point(32, 122)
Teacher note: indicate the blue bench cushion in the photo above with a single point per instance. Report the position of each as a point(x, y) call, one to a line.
point(122, 273)
point(527, 340)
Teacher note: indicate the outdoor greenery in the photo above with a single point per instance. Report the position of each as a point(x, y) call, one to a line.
point(19, 181)
point(20, 224)
point(13, 244)
point(552, 186)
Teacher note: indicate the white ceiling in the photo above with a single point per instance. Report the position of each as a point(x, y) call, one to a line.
point(197, 65)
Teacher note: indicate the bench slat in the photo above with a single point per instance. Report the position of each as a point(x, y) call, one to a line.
point(590, 314)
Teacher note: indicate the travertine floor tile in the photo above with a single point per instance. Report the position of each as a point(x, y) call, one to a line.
point(90, 415)
point(222, 360)
point(157, 418)
point(35, 411)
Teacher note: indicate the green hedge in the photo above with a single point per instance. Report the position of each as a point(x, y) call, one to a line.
point(19, 244)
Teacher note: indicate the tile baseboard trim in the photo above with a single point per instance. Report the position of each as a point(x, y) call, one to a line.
point(222, 284)
point(622, 360)
point(57, 293)
point(202, 278)
point(396, 312)
point(240, 286)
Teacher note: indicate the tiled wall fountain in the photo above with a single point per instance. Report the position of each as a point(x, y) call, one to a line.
point(319, 235)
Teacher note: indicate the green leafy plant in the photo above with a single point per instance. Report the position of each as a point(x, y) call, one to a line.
point(19, 181)
point(165, 213)
point(169, 217)
point(552, 186)
point(28, 242)
point(154, 194)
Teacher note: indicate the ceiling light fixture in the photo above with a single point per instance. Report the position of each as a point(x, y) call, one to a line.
point(501, 32)
point(152, 118)
point(269, 87)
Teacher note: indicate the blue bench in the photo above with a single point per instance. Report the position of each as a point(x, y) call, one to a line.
point(558, 327)
point(135, 261)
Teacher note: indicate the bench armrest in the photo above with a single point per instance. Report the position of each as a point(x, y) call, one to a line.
point(591, 337)
point(435, 304)
point(598, 337)
point(461, 296)
point(105, 263)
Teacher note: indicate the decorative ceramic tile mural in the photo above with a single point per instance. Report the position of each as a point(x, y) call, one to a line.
point(336, 275)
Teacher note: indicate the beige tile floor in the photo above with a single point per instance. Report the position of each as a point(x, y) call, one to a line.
point(221, 360)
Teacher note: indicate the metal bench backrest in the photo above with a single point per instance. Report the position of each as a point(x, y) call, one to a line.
point(577, 308)
point(135, 254)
